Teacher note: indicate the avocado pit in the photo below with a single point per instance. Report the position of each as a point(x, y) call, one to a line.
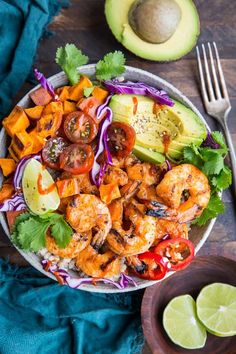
point(155, 21)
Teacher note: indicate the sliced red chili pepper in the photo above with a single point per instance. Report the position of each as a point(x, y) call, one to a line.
point(154, 267)
point(178, 251)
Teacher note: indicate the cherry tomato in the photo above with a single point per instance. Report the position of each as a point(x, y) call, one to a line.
point(153, 266)
point(178, 251)
point(80, 128)
point(121, 139)
point(52, 151)
point(77, 159)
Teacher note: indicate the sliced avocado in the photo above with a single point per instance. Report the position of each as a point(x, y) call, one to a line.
point(166, 130)
point(181, 41)
point(148, 155)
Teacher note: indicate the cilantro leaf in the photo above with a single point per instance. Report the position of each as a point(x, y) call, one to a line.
point(223, 180)
point(88, 91)
point(215, 207)
point(219, 138)
point(29, 231)
point(213, 165)
point(69, 59)
point(191, 156)
point(61, 232)
point(112, 65)
point(32, 234)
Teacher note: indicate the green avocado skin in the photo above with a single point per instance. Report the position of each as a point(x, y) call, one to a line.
point(179, 122)
point(178, 45)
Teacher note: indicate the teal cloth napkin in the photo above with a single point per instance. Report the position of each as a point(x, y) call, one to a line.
point(22, 23)
point(39, 316)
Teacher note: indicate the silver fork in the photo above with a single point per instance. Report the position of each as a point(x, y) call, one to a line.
point(215, 96)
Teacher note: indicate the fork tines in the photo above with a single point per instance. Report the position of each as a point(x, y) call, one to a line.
point(214, 87)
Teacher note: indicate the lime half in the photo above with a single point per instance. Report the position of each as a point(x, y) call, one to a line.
point(181, 323)
point(216, 309)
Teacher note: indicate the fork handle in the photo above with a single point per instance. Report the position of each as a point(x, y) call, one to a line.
point(232, 156)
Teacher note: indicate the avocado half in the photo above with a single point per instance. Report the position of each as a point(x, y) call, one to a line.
point(178, 45)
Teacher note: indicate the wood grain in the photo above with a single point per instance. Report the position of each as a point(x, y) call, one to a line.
point(83, 23)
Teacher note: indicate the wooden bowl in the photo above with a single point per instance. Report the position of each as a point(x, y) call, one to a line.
point(202, 271)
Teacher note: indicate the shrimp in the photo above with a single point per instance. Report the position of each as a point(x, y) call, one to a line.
point(86, 212)
point(135, 239)
point(170, 191)
point(170, 228)
point(100, 265)
point(115, 175)
point(78, 242)
point(147, 173)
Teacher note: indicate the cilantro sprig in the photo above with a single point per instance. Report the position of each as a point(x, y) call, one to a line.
point(69, 59)
point(29, 231)
point(112, 65)
point(211, 163)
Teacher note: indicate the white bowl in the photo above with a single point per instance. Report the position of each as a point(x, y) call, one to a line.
point(198, 235)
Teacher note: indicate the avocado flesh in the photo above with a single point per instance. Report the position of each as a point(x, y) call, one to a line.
point(179, 44)
point(180, 124)
point(148, 155)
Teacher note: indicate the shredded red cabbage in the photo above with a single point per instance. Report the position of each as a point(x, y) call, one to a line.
point(16, 203)
point(165, 170)
point(98, 170)
point(210, 142)
point(75, 283)
point(20, 169)
point(138, 88)
point(45, 84)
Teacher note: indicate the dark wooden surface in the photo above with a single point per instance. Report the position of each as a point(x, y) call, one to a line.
point(83, 23)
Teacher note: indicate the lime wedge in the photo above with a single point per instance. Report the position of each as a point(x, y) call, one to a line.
point(181, 323)
point(216, 309)
point(38, 202)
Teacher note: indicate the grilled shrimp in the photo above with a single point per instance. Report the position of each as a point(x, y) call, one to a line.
point(139, 236)
point(183, 178)
point(115, 175)
point(147, 173)
point(170, 228)
point(86, 212)
point(98, 265)
point(78, 242)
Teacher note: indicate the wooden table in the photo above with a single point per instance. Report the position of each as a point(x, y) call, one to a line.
point(83, 23)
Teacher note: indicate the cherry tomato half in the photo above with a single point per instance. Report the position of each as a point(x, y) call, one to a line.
point(178, 251)
point(121, 139)
point(154, 267)
point(52, 151)
point(80, 128)
point(77, 159)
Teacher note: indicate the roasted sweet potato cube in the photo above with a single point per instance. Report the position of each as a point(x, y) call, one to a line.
point(64, 93)
point(109, 192)
point(100, 94)
point(8, 166)
point(53, 107)
point(77, 91)
point(22, 144)
point(7, 190)
point(38, 141)
point(40, 97)
point(16, 121)
point(69, 107)
point(49, 124)
point(34, 113)
point(68, 187)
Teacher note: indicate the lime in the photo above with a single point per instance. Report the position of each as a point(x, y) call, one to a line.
point(216, 309)
point(39, 200)
point(181, 323)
